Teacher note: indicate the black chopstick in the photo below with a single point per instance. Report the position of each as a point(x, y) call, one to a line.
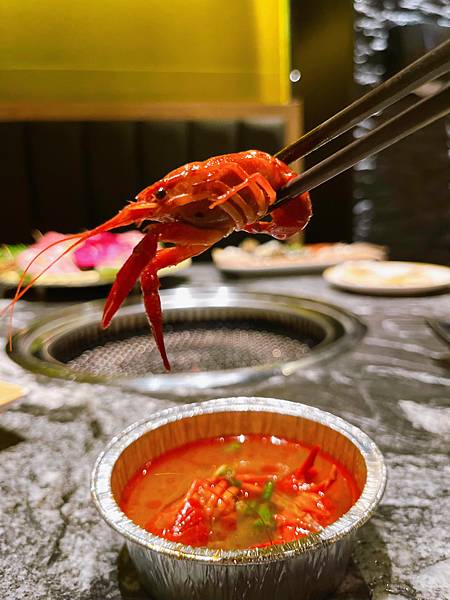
point(428, 67)
point(423, 113)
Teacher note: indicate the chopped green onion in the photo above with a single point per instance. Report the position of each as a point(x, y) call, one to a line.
point(250, 507)
point(223, 471)
point(265, 514)
point(267, 490)
point(259, 523)
point(227, 473)
point(234, 446)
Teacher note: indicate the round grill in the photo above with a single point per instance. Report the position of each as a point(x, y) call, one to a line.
point(212, 339)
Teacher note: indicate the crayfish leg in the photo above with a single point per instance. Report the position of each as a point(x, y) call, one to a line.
point(307, 463)
point(146, 261)
point(256, 183)
point(290, 218)
point(152, 303)
point(150, 286)
point(190, 241)
point(129, 273)
point(168, 257)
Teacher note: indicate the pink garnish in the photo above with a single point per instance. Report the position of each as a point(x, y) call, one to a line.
point(106, 250)
point(64, 265)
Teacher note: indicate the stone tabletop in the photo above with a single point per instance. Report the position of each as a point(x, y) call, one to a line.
point(54, 546)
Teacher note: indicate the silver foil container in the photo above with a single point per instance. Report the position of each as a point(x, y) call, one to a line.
point(306, 569)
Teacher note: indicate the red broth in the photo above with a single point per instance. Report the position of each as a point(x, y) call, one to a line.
point(239, 492)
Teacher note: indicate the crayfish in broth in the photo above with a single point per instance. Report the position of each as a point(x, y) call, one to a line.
point(245, 491)
point(193, 207)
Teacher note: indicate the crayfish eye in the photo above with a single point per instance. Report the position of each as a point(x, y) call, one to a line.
point(160, 193)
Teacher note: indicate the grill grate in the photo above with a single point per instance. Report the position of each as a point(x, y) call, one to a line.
point(203, 346)
point(214, 337)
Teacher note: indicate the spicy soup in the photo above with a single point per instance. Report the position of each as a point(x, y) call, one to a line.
point(235, 492)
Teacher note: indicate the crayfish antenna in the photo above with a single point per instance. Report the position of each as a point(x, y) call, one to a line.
point(20, 292)
point(126, 216)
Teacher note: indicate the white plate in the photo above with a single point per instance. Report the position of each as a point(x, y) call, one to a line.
point(185, 264)
point(284, 267)
point(389, 277)
point(235, 261)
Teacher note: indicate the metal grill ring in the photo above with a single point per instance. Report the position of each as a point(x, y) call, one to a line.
point(213, 338)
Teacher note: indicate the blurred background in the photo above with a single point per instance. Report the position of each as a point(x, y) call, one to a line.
point(100, 99)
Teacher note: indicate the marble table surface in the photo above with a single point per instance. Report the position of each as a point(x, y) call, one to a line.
point(54, 545)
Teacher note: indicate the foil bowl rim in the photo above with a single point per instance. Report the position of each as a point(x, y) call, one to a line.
point(353, 519)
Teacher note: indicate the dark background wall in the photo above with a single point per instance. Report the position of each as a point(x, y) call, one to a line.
point(72, 175)
point(402, 195)
point(322, 50)
point(399, 198)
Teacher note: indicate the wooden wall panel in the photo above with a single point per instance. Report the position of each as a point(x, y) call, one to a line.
point(211, 138)
point(75, 168)
point(162, 146)
point(326, 86)
point(111, 152)
point(16, 217)
point(58, 176)
point(262, 134)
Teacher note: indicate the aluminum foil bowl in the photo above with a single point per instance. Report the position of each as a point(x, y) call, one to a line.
point(306, 569)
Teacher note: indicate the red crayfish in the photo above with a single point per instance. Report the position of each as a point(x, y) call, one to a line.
point(211, 505)
point(192, 208)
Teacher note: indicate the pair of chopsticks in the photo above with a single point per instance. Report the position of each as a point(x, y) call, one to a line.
point(430, 66)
